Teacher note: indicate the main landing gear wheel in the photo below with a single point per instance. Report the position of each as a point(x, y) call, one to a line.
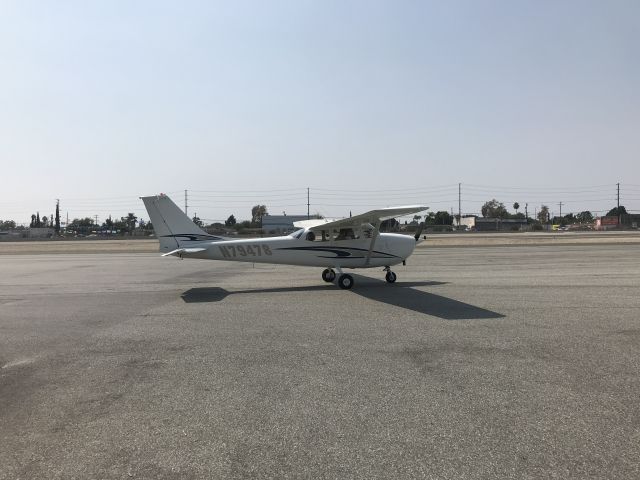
point(345, 281)
point(328, 275)
point(390, 277)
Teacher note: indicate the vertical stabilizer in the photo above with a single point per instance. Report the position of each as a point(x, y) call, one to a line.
point(172, 226)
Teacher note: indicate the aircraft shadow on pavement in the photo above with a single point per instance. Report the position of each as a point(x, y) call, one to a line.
point(216, 294)
point(399, 294)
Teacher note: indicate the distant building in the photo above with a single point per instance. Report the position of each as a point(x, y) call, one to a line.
point(467, 222)
point(611, 222)
point(631, 220)
point(500, 224)
point(45, 232)
point(606, 223)
point(281, 224)
point(482, 224)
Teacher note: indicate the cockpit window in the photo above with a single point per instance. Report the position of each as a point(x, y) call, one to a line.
point(345, 234)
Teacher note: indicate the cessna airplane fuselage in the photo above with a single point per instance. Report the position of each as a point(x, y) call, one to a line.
point(340, 244)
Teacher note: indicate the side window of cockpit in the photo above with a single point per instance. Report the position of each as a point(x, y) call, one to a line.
point(345, 234)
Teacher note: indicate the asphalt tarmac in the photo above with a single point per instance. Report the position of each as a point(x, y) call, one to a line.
point(481, 362)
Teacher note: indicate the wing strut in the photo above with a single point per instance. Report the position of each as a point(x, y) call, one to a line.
point(374, 237)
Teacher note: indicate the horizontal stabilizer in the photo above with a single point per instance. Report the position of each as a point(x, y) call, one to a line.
point(181, 251)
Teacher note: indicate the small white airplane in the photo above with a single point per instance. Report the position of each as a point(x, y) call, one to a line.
point(354, 242)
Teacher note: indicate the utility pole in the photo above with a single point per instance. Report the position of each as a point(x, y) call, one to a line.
point(96, 217)
point(459, 205)
point(618, 184)
point(308, 203)
point(560, 204)
point(57, 216)
point(185, 203)
point(526, 212)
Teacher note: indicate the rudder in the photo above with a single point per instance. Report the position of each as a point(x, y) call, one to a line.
point(172, 226)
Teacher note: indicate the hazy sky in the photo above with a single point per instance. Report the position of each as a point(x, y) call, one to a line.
point(367, 103)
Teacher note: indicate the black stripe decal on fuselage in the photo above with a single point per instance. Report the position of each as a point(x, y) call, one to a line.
point(340, 252)
point(193, 237)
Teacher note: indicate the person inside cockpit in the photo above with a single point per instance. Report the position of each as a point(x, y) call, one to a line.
point(346, 234)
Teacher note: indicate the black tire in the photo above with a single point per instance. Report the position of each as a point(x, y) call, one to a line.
point(328, 275)
point(390, 277)
point(345, 281)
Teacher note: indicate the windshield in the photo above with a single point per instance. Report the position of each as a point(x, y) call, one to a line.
point(297, 233)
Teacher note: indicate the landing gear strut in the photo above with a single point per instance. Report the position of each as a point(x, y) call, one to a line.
point(345, 281)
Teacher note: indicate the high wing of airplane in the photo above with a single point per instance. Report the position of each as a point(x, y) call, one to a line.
point(349, 243)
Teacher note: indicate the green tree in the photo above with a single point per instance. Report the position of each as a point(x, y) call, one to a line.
point(130, 222)
point(257, 212)
point(429, 218)
point(443, 218)
point(7, 225)
point(516, 206)
point(584, 217)
point(494, 209)
point(231, 221)
point(543, 214)
point(390, 225)
point(615, 211)
point(81, 225)
point(121, 225)
point(81, 222)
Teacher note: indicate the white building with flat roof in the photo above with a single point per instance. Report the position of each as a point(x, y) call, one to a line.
point(281, 224)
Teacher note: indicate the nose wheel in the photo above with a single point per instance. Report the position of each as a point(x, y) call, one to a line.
point(390, 277)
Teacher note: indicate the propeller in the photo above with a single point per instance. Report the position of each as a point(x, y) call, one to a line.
point(419, 232)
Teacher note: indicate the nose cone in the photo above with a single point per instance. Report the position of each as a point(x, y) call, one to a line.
point(408, 244)
point(401, 245)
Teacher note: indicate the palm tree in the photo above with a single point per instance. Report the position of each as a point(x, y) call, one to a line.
point(131, 221)
point(516, 206)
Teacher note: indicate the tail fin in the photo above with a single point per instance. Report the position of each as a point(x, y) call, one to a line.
point(172, 226)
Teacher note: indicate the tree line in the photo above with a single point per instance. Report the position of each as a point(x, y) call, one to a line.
point(123, 225)
point(257, 212)
point(127, 225)
point(495, 209)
